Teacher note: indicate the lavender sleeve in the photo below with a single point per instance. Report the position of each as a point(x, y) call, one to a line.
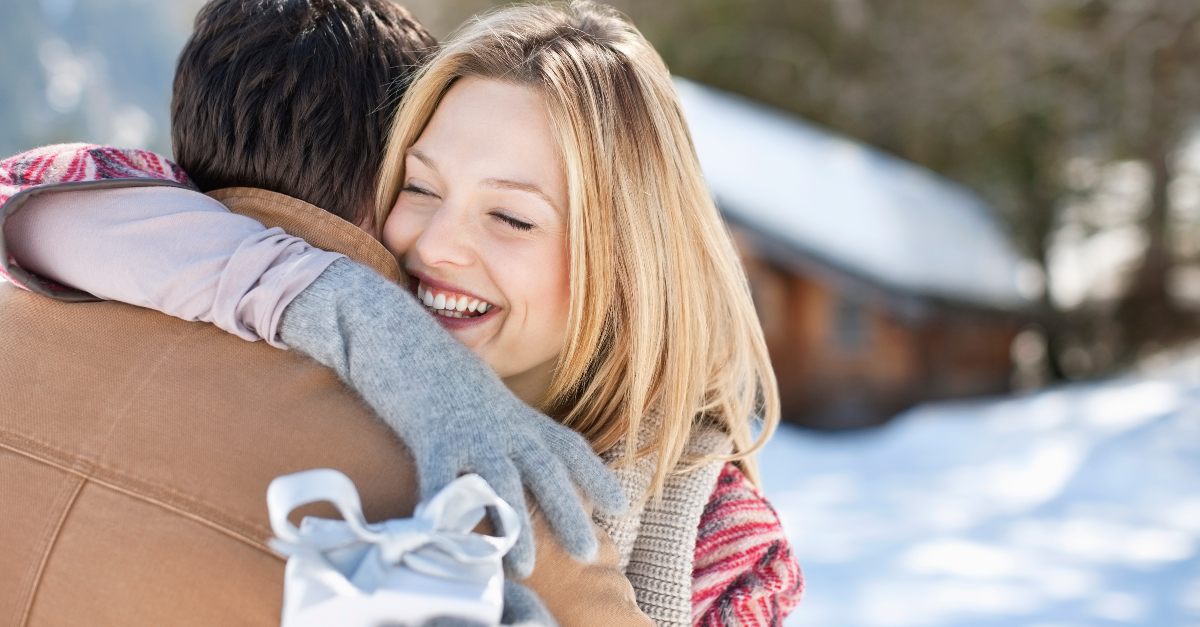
point(169, 249)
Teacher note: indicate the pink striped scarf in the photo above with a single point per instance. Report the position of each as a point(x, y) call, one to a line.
point(744, 571)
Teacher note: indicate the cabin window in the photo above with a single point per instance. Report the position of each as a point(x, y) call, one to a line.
point(851, 324)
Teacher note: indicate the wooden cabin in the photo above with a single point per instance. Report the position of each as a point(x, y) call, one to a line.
point(879, 284)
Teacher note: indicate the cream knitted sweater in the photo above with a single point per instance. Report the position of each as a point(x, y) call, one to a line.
point(657, 538)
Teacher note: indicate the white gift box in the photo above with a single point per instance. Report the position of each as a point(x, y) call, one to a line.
point(397, 572)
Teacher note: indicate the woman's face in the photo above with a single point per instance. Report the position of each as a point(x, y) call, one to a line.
point(481, 227)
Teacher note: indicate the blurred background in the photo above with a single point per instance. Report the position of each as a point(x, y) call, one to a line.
point(973, 235)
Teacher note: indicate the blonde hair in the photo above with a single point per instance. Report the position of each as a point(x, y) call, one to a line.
point(661, 318)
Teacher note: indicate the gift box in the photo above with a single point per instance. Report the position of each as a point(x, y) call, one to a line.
point(406, 571)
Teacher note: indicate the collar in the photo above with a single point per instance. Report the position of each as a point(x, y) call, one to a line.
point(311, 223)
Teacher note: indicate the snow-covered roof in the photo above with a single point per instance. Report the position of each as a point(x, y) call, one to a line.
point(854, 207)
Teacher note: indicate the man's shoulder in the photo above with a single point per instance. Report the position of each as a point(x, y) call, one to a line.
point(183, 413)
point(115, 340)
point(50, 324)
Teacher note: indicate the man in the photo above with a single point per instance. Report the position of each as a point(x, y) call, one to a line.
point(135, 449)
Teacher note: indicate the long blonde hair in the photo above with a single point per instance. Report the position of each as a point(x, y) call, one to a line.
point(661, 318)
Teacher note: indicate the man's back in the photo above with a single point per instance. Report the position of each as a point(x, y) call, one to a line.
point(137, 450)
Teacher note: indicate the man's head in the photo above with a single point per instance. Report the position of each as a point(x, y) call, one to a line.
point(294, 96)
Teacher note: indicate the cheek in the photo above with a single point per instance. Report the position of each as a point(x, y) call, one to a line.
point(533, 279)
point(401, 230)
point(546, 294)
point(559, 293)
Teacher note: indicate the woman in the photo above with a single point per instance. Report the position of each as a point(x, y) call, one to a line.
point(663, 352)
point(541, 188)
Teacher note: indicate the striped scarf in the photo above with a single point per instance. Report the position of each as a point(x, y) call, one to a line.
point(711, 551)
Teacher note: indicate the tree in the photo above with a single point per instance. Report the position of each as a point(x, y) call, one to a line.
point(1000, 95)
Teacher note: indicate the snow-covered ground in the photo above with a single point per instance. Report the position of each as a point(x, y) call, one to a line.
point(1074, 506)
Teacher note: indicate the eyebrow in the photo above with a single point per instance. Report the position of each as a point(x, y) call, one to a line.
point(422, 157)
point(522, 187)
point(509, 184)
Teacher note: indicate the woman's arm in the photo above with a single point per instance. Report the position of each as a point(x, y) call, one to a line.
point(169, 249)
point(182, 253)
point(450, 408)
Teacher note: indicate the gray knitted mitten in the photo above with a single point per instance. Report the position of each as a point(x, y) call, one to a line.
point(451, 409)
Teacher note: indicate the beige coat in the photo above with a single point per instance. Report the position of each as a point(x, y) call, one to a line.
point(136, 449)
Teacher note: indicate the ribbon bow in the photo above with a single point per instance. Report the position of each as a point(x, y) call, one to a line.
point(413, 568)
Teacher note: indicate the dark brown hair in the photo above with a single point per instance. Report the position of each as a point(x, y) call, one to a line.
point(294, 96)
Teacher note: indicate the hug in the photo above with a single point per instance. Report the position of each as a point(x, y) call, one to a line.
point(494, 255)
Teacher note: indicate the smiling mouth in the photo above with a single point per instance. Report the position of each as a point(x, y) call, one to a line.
point(452, 305)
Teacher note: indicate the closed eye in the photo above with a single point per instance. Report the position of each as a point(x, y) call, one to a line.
point(513, 222)
point(420, 191)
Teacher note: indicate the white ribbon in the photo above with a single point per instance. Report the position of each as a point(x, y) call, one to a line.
point(354, 573)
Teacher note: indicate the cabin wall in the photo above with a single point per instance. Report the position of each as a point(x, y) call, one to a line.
point(965, 354)
point(845, 360)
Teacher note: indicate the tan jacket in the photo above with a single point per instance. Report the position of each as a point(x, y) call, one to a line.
point(136, 449)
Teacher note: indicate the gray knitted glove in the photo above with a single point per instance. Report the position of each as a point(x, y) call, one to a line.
point(451, 409)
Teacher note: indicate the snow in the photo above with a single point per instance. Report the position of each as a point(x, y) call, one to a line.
point(1074, 506)
point(852, 206)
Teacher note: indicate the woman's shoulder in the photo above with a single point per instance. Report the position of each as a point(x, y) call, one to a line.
point(743, 566)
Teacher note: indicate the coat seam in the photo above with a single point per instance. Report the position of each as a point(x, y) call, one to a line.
point(146, 489)
point(133, 392)
point(50, 546)
point(144, 498)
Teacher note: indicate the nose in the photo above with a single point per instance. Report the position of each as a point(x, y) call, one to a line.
point(445, 240)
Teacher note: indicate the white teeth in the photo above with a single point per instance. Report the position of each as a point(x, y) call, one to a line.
point(451, 306)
